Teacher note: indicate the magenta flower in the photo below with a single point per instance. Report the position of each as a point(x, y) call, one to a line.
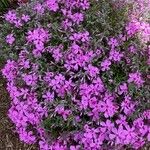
point(148, 136)
point(122, 120)
point(11, 16)
point(85, 36)
point(62, 111)
point(130, 135)
point(118, 135)
point(52, 5)
point(57, 54)
point(24, 92)
point(75, 147)
point(136, 79)
point(10, 39)
point(92, 71)
point(30, 79)
point(77, 18)
point(115, 55)
point(75, 37)
point(37, 35)
point(84, 102)
point(93, 102)
point(113, 42)
point(18, 23)
point(84, 4)
point(48, 96)
point(10, 70)
point(81, 36)
point(133, 27)
point(106, 126)
point(105, 65)
point(24, 64)
point(122, 89)
point(39, 8)
point(44, 145)
point(108, 108)
point(25, 18)
point(132, 49)
point(27, 137)
point(127, 105)
point(66, 24)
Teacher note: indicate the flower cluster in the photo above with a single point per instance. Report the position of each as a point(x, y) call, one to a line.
point(38, 37)
point(70, 88)
point(12, 18)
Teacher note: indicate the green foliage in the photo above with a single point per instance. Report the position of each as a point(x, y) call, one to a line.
point(4, 4)
point(56, 126)
point(103, 18)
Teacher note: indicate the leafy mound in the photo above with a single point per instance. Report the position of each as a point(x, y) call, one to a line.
point(77, 74)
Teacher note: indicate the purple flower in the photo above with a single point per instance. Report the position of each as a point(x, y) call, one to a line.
point(132, 49)
point(106, 126)
point(24, 92)
point(115, 55)
point(113, 43)
point(18, 23)
point(75, 37)
point(122, 89)
point(122, 120)
point(24, 63)
point(108, 107)
point(39, 8)
point(48, 96)
point(38, 35)
point(130, 137)
point(105, 65)
point(75, 147)
point(10, 70)
point(62, 111)
point(84, 102)
point(85, 36)
point(92, 71)
point(10, 39)
point(140, 127)
point(30, 79)
point(136, 78)
point(25, 18)
point(127, 105)
point(148, 136)
point(11, 16)
point(132, 27)
point(52, 5)
point(98, 86)
point(57, 54)
point(44, 145)
point(93, 102)
point(77, 17)
point(85, 4)
point(54, 74)
point(66, 24)
point(118, 135)
point(27, 137)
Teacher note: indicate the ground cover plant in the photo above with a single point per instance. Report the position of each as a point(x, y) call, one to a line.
point(5, 4)
point(77, 73)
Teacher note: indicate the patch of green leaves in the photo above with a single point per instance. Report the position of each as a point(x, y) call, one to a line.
point(4, 4)
point(56, 126)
